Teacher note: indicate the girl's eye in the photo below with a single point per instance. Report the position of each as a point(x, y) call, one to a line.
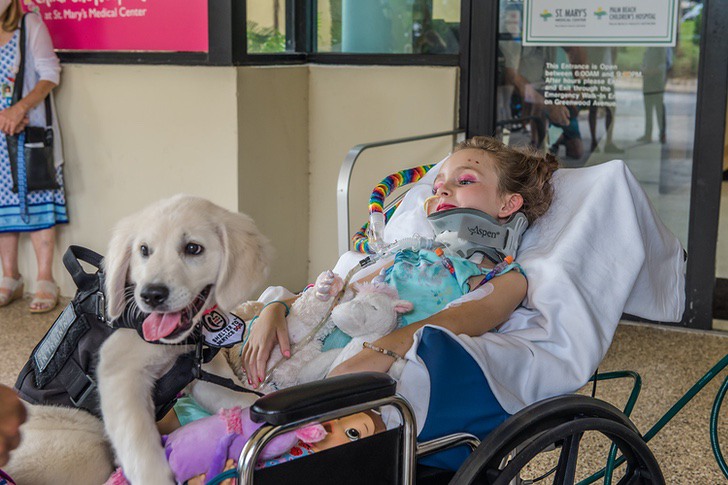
point(466, 181)
point(352, 433)
point(144, 250)
point(193, 249)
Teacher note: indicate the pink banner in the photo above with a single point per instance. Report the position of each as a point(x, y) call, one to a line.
point(125, 25)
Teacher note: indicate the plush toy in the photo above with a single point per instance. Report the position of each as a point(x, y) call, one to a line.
point(371, 314)
point(366, 312)
point(204, 446)
point(306, 313)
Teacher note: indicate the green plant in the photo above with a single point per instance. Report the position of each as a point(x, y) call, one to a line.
point(264, 39)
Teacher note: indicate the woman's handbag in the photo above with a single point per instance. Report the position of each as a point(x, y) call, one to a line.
point(37, 144)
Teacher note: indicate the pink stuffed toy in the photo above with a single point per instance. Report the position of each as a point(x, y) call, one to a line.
point(203, 446)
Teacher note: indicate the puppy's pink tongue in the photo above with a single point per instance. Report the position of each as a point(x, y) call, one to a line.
point(159, 325)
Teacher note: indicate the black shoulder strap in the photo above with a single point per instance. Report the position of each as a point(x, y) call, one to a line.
point(20, 77)
point(83, 280)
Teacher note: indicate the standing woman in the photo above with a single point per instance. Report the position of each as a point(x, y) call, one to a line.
point(43, 208)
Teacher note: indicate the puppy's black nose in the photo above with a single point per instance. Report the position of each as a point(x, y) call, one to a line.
point(155, 295)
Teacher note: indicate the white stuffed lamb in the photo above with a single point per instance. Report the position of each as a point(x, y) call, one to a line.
point(370, 315)
point(306, 312)
point(366, 315)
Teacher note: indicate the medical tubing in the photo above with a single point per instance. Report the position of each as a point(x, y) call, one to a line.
point(714, 444)
point(676, 408)
point(310, 336)
point(376, 231)
point(414, 243)
point(370, 238)
point(221, 477)
point(636, 388)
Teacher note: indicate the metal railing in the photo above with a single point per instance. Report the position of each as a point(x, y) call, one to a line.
point(344, 182)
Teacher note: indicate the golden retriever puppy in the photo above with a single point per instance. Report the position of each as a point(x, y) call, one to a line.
point(170, 262)
point(173, 261)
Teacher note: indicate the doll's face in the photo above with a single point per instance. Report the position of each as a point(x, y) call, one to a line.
point(345, 430)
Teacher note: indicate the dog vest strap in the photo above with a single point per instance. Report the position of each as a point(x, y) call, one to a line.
point(71, 257)
point(81, 387)
point(224, 382)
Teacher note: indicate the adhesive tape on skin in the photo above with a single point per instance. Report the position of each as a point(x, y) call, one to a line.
point(477, 294)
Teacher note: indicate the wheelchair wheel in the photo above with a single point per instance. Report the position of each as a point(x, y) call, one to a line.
point(559, 422)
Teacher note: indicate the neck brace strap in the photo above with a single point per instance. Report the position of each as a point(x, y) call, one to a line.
point(467, 231)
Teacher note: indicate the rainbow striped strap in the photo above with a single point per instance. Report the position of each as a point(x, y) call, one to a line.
point(360, 239)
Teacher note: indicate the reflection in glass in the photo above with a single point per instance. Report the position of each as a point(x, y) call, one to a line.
point(591, 104)
point(388, 27)
point(266, 26)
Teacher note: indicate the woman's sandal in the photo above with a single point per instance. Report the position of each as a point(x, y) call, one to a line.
point(10, 290)
point(45, 298)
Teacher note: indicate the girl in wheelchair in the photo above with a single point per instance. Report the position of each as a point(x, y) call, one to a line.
point(466, 289)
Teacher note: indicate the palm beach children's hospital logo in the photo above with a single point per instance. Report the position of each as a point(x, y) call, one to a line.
point(545, 15)
point(600, 13)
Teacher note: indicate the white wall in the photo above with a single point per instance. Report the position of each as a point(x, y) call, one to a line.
point(273, 154)
point(268, 141)
point(353, 105)
point(135, 134)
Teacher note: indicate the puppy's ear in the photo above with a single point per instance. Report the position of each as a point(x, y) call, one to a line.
point(116, 266)
point(246, 254)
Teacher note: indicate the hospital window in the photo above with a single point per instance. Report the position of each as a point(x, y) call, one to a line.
point(380, 27)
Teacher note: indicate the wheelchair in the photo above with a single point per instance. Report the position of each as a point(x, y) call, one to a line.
point(554, 427)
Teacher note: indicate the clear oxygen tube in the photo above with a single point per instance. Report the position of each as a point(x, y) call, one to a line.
point(413, 243)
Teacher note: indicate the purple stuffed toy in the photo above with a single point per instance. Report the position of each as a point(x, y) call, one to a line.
point(204, 446)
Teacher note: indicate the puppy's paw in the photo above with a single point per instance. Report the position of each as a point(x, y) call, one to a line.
point(327, 285)
point(248, 310)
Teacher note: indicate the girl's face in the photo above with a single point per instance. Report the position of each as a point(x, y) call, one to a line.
point(468, 180)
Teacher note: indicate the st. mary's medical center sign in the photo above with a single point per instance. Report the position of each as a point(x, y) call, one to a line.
point(125, 25)
point(600, 22)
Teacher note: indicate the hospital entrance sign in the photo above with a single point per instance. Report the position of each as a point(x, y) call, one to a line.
point(125, 25)
point(600, 22)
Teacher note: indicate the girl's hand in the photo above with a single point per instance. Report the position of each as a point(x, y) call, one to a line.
point(13, 120)
point(269, 329)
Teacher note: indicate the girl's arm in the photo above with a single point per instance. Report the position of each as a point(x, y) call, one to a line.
point(269, 328)
point(473, 318)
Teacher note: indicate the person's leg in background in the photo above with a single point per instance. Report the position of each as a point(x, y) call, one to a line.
point(11, 286)
point(593, 112)
point(661, 122)
point(609, 118)
point(46, 291)
point(649, 101)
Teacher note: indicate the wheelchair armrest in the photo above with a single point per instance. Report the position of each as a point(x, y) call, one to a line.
point(319, 397)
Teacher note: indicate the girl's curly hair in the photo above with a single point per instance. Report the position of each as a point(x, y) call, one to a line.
point(522, 170)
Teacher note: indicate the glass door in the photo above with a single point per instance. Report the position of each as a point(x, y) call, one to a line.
point(597, 81)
